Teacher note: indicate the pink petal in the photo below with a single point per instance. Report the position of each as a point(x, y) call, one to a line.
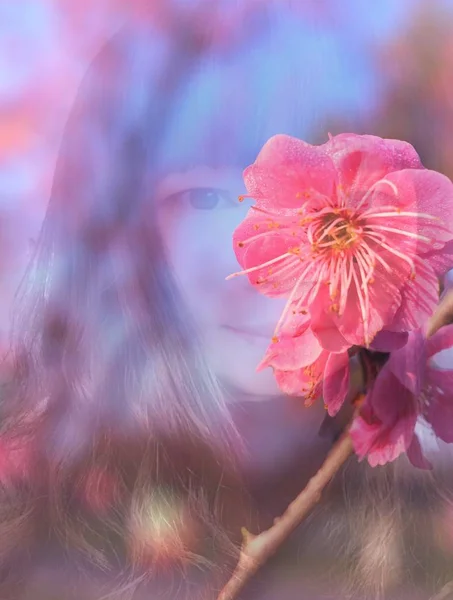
point(441, 261)
point(364, 435)
point(439, 412)
point(291, 353)
point(390, 446)
point(362, 160)
point(390, 398)
point(439, 378)
point(336, 381)
point(305, 381)
point(287, 167)
point(416, 456)
point(296, 323)
point(419, 300)
point(323, 325)
point(385, 299)
point(385, 428)
point(384, 444)
point(430, 193)
point(409, 363)
point(291, 383)
point(387, 341)
point(263, 249)
point(441, 340)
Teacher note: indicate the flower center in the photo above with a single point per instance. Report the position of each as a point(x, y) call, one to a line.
point(335, 231)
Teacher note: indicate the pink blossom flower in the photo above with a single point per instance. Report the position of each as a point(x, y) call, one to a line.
point(409, 386)
point(351, 231)
point(303, 368)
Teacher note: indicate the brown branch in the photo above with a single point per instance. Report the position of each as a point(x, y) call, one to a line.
point(446, 593)
point(256, 549)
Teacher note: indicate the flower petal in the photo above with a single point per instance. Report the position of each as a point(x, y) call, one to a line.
point(388, 341)
point(323, 325)
point(419, 300)
point(305, 382)
point(292, 353)
point(285, 169)
point(291, 383)
point(363, 160)
point(416, 456)
point(430, 193)
point(256, 245)
point(386, 425)
point(441, 261)
point(336, 381)
point(364, 435)
point(439, 412)
point(441, 340)
point(409, 363)
point(384, 300)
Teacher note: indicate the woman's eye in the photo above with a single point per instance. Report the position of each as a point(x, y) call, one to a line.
point(206, 198)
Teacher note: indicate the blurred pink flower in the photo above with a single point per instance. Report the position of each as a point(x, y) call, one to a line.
point(303, 368)
point(100, 490)
point(410, 385)
point(351, 231)
point(15, 461)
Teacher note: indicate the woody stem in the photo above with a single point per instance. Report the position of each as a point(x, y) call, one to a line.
point(257, 549)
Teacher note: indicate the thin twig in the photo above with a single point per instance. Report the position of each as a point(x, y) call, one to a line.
point(256, 549)
point(446, 593)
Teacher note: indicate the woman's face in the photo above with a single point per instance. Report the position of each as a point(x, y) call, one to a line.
point(198, 211)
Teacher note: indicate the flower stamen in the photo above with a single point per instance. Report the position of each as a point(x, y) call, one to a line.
point(292, 295)
point(261, 266)
point(410, 234)
point(371, 190)
point(395, 252)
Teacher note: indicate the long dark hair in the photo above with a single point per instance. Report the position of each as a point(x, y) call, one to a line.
point(111, 407)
